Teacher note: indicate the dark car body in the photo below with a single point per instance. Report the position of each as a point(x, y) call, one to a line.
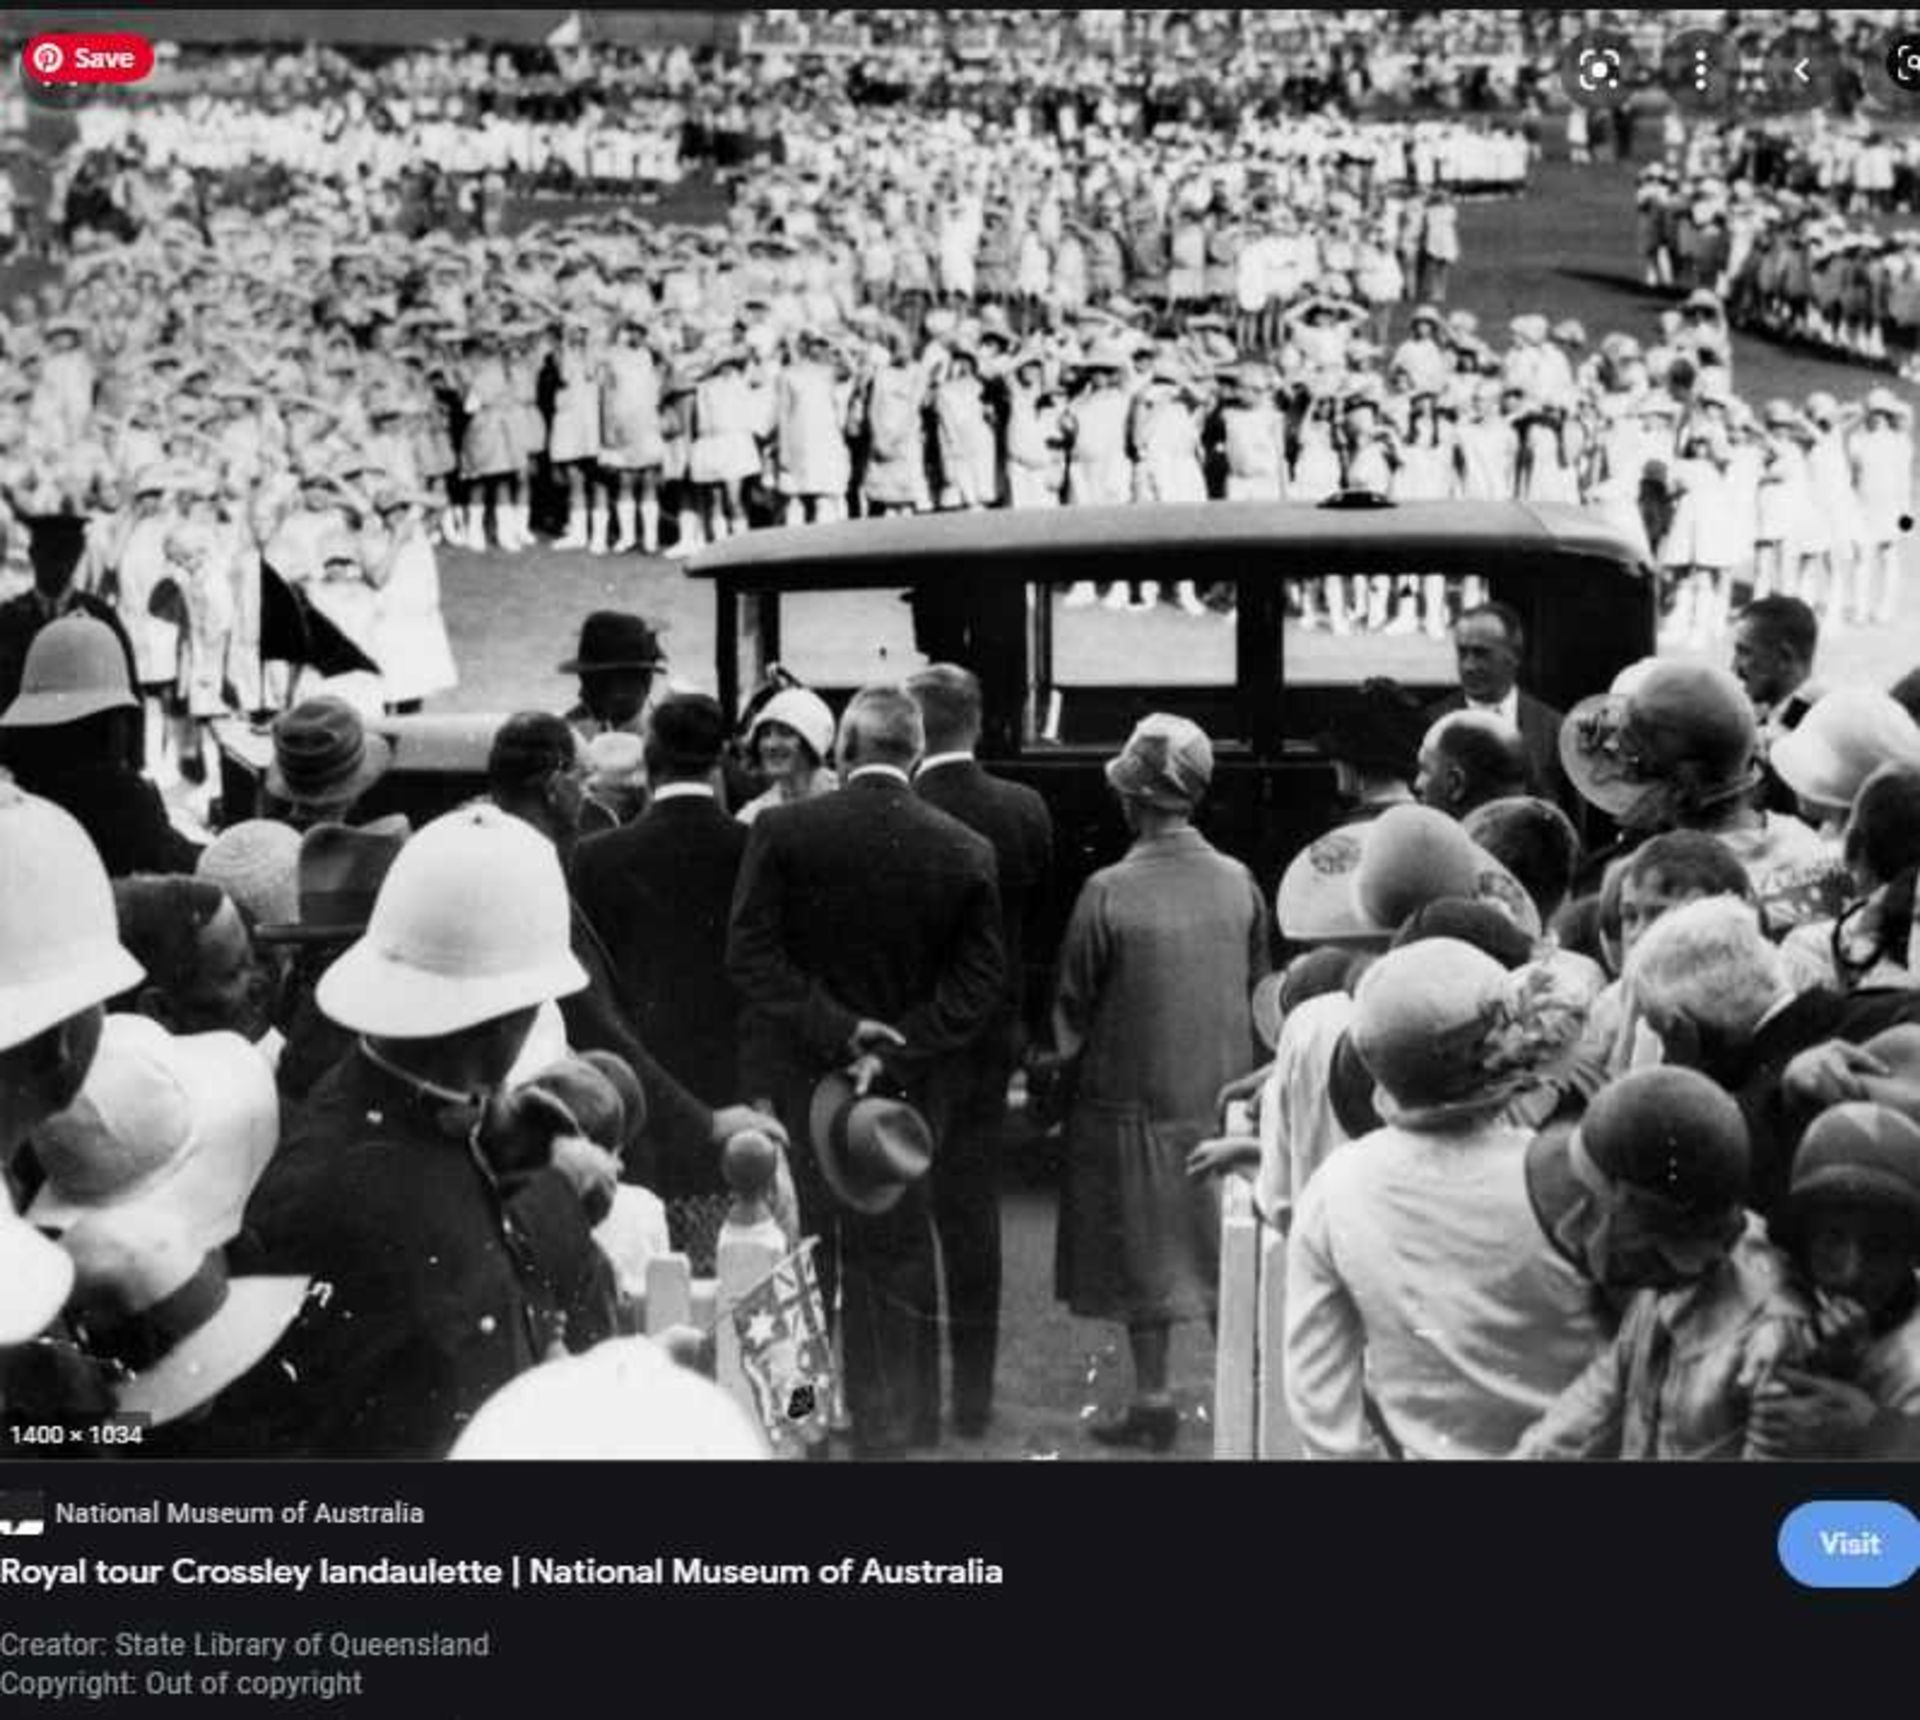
point(982, 588)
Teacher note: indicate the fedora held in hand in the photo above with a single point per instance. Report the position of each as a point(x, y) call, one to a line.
point(870, 1148)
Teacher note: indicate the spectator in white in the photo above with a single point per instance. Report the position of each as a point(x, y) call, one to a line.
point(632, 445)
point(1882, 453)
point(410, 634)
point(1847, 735)
point(810, 446)
point(573, 438)
point(1427, 1315)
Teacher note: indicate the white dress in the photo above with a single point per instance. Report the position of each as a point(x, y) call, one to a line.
point(1098, 470)
point(1836, 521)
point(809, 442)
point(1883, 480)
point(1706, 526)
point(410, 634)
point(724, 450)
point(1036, 464)
point(1316, 468)
point(1168, 469)
point(630, 433)
point(1256, 439)
point(968, 458)
point(143, 564)
point(1427, 472)
point(1785, 499)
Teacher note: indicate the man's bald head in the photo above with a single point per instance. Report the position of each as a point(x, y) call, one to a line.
point(1467, 759)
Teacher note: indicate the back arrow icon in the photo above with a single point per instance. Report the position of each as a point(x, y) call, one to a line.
point(1800, 72)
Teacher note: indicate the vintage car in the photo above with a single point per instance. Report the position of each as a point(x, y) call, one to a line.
point(841, 605)
point(1064, 681)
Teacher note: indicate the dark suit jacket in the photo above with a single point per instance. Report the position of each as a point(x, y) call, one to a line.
point(679, 1127)
point(863, 903)
point(443, 1288)
point(123, 813)
point(659, 892)
point(1775, 1123)
point(1540, 740)
point(1016, 821)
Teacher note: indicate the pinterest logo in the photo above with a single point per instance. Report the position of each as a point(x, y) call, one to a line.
point(47, 59)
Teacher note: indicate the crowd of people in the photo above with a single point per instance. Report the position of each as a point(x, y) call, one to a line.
point(1582, 1151)
point(1785, 227)
point(1593, 1107)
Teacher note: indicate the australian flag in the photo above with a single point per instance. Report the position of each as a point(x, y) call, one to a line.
point(786, 1354)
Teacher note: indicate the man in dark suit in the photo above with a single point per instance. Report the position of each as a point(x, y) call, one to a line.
point(1774, 642)
point(537, 772)
point(866, 936)
point(966, 1184)
point(659, 892)
point(1488, 644)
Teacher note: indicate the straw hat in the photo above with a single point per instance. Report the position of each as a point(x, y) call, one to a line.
point(1431, 1022)
point(1362, 882)
point(1842, 740)
point(255, 861)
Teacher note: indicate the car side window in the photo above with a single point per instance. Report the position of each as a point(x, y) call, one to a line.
point(1102, 654)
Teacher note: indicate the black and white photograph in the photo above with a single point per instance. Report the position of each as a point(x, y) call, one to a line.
point(959, 736)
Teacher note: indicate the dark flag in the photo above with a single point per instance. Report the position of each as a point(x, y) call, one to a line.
point(292, 630)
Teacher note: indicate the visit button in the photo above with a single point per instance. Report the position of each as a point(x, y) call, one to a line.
point(1850, 1544)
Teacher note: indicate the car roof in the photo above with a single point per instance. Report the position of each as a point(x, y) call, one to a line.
point(860, 551)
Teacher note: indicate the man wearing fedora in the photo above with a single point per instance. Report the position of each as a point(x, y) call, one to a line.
point(866, 943)
point(966, 1192)
point(450, 1274)
point(617, 661)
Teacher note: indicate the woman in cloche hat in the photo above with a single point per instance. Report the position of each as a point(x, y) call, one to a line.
point(1443, 1303)
point(789, 742)
point(1153, 1013)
